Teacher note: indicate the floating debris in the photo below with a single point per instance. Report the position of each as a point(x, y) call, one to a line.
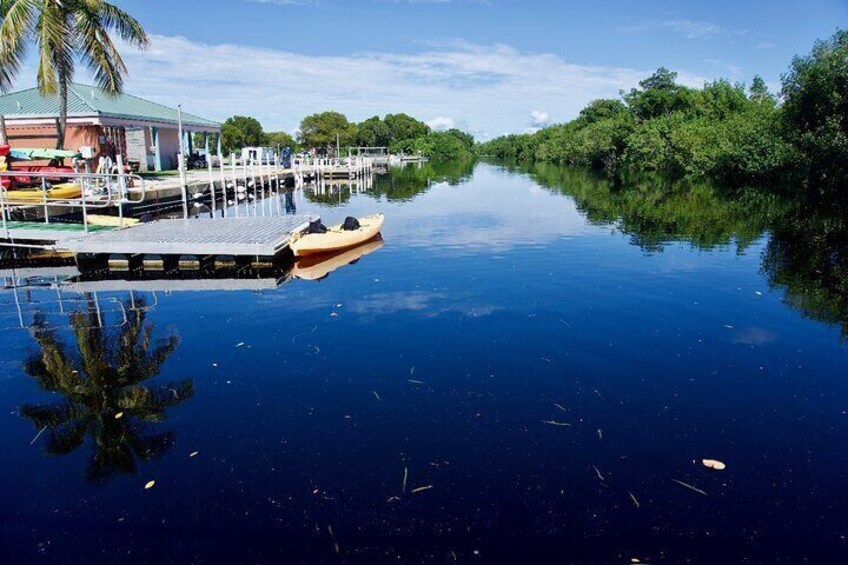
point(149, 485)
point(334, 315)
point(193, 454)
point(377, 396)
point(690, 487)
point(335, 543)
point(240, 344)
point(714, 464)
point(600, 433)
point(420, 489)
point(214, 364)
point(405, 478)
point(560, 407)
point(598, 472)
point(413, 381)
point(555, 423)
point(393, 499)
point(633, 498)
point(119, 415)
point(38, 435)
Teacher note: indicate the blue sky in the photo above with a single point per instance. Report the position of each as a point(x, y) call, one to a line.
point(489, 66)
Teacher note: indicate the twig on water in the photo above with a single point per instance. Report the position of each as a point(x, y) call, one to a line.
point(598, 472)
point(690, 487)
point(38, 435)
point(555, 423)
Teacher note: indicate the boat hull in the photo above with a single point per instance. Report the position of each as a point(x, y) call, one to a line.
point(336, 239)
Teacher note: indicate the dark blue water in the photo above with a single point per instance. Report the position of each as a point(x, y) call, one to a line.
point(522, 373)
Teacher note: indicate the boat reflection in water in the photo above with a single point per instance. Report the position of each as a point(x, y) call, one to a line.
point(318, 267)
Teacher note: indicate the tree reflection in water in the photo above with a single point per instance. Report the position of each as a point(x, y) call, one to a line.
point(102, 395)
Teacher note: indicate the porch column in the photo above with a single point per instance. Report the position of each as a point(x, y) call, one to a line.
point(157, 158)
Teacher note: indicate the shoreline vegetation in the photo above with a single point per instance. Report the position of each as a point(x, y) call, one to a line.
point(726, 133)
point(400, 133)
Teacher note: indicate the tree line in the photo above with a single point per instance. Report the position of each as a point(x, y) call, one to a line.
point(400, 133)
point(723, 132)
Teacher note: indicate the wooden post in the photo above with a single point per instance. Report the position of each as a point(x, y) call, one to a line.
point(4, 139)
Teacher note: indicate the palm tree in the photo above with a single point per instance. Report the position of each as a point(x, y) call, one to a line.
point(64, 32)
point(102, 393)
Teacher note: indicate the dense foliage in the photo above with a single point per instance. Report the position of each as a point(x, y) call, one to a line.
point(400, 133)
point(721, 131)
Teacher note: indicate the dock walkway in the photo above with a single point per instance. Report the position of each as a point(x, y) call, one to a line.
point(254, 236)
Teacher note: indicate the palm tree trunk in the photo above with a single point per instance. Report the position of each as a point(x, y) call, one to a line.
point(62, 121)
point(4, 139)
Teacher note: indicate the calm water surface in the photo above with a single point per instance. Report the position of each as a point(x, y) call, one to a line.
point(531, 368)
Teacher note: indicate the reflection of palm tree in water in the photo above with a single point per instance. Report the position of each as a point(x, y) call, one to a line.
point(103, 398)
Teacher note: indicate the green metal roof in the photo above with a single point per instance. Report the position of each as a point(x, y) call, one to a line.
point(85, 101)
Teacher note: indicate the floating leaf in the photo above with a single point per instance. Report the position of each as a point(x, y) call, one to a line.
point(149, 485)
point(714, 464)
point(119, 415)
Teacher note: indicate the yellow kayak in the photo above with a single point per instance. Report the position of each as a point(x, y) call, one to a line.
point(111, 221)
point(336, 238)
point(58, 192)
point(316, 267)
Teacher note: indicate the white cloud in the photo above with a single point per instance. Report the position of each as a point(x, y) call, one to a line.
point(690, 29)
point(483, 88)
point(540, 119)
point(441, 123)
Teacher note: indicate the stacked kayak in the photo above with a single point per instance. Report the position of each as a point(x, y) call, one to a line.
point(63, 191)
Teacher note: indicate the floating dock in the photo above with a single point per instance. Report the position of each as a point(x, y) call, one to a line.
point(253, 236)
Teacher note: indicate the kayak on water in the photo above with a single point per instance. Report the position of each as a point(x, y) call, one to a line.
point(337, 237)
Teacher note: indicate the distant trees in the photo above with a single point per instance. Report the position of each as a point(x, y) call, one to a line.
point(373, 132)
point(280, 139)
point(326, 129)
point(402, 127)
point(720, 131)
point(439, 146)
point(241, 131)
point(398, 132)
point(815, 109)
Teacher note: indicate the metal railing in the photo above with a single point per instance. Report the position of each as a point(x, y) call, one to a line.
point(96, 191)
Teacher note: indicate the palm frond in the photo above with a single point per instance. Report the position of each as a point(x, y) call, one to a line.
point(50, 415)
point(55, 48)
point(97, 52)
point(66, 438)
point(16, 29)
point(113, 18)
